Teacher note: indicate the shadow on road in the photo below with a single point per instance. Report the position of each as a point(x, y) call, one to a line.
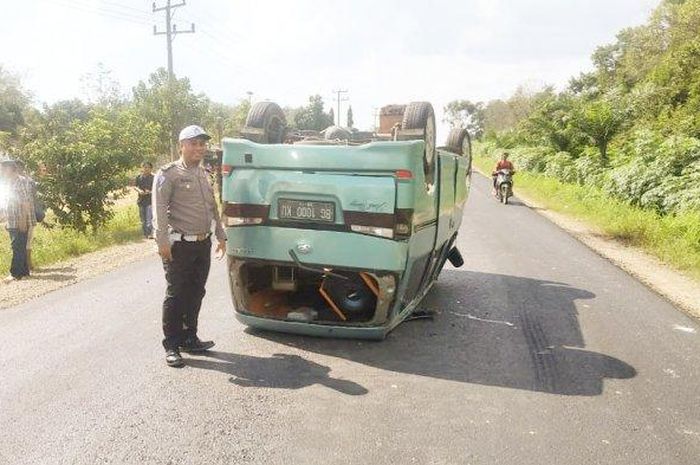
point(283, 371)
point(488, 329)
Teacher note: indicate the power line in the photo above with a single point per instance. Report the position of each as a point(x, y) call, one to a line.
point(125, 7)
point(96, 10)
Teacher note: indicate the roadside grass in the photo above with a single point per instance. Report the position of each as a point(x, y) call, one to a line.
point(674, 239)
point(56, 244)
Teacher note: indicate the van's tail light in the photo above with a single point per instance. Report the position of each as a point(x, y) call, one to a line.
point(403, 174)
point(244, 214)
point(226, 170)
point(403, 223)
point(374, 224)
point(373, 230)
point(392, 226)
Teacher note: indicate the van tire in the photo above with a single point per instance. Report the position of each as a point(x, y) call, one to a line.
point(420, 115)
point(336, 132)
point(459, 142)
point(269, 117)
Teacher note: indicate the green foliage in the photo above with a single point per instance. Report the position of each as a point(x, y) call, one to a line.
point(101, 89)
point(673, 238)
point(630, 128)
point(88, 162)
point(14, 104)
point(312, 116)
point(600, 120)
point(350, 120)
point(225, 120)
point(466, 114)
point(171, 107)
point(56, 244)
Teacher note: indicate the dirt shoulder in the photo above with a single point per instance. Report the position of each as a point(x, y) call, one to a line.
point(66, 273)
point(681, 290)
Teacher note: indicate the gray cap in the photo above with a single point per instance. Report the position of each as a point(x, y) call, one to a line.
point(192, 132)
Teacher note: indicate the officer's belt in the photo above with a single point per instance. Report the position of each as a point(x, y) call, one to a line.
point(189, 237)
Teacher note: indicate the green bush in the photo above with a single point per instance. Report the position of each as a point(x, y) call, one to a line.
point(52, 245)
point(673, 238)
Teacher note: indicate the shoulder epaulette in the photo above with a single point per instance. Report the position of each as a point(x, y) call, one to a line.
point(166, 167)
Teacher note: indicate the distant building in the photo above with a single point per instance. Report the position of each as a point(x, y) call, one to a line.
point(389, 115)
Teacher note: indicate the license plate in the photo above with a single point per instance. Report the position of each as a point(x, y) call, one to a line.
point(302, 210)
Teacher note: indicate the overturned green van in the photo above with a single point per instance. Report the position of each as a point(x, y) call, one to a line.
point(339, 237)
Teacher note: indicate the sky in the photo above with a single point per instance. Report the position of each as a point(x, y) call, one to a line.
point(381, 51)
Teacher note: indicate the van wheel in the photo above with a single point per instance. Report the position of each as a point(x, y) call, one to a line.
point(459, 142)
point(420, 115)
point(352, 296)
point(265, 124)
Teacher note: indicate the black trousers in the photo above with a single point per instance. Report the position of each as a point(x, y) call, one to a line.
point(186, 275)
point(19, 266)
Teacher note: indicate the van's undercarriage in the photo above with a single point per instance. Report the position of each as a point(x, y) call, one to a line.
point(285, 291)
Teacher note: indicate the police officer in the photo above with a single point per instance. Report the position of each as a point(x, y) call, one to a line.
point(184, 215)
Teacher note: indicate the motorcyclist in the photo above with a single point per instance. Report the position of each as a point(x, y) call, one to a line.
point(502, 164)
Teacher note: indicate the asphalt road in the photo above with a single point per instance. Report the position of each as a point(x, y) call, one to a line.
point(541, 352)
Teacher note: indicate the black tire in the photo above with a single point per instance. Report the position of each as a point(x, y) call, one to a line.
point(420, 115)
point(336, 132)
point(504, 196)
point(269, 117)
point(352, 296)
point(456, 139)
point(460, 142)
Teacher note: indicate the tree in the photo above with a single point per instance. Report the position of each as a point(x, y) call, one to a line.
point(549, 123)
point(14, 104)
point(350, 121)
point(100, 88)
point(312, 116)
point(155, 103)
point(331, 115)
point(464, 113)
point(236, 121)
point(90, 161)
point(600, 120)
point(498, 116)
point(226, 120)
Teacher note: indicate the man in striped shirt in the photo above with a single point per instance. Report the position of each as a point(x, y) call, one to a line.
point(19, 211)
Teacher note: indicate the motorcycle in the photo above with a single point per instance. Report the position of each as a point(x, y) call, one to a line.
point(504, 185)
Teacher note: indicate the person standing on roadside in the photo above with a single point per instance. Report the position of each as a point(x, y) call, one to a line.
point(144, 184)
point(184, 214)
point(20, 217)
point(30, 232)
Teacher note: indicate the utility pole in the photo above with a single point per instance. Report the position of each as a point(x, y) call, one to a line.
point(344, 99)
point(170, 33)
point(375, 119)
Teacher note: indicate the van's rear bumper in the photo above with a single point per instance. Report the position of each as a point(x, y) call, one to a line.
point(314, 247)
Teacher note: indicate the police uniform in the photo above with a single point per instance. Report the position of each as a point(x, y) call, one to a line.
point(184, 215)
